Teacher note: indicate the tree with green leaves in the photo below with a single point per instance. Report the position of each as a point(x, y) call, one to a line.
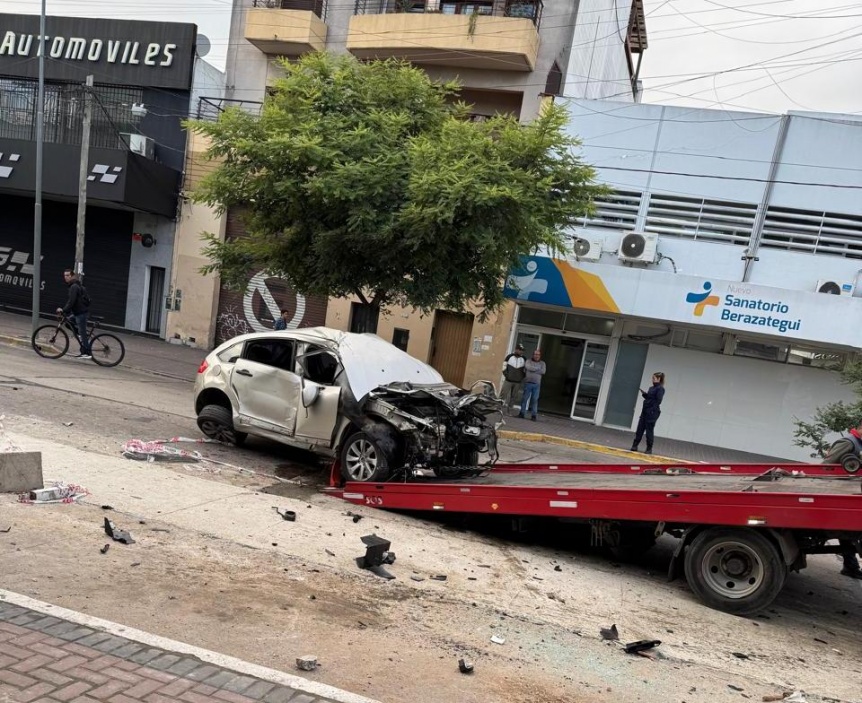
point(832, 417)
point(368, 179)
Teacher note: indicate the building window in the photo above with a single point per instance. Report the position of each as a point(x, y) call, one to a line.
point(769, 351)
point(817, 358)
point(400, 338)
point(617, 211)
point(813, 232)
point(360, 317)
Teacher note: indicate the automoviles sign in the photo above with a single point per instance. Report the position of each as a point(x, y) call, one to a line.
point(157, 54)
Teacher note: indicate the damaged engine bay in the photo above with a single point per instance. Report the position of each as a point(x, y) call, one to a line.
point(440, 427)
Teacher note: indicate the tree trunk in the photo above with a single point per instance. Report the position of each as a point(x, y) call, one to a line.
point(365, 317)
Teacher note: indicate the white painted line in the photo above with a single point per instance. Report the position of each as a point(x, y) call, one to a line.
point(564, 504)
point(221, 660)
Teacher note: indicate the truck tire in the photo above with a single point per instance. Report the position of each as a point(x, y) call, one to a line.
point(216, 422)
point(367, 457)
point(737, 570)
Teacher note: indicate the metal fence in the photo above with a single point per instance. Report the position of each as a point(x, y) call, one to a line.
point(209, 109)
point(526, 9)
point(64, 112)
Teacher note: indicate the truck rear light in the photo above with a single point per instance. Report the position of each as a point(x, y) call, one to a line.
point(203, 367)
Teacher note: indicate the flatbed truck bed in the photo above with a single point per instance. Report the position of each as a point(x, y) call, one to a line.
point(741, 527)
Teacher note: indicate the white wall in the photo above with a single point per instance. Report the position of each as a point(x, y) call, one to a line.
point(598, 67)
point(161, 255)
point(738, 403)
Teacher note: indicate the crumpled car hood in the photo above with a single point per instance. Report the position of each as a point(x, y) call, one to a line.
point(447, 394)
point(370, 362)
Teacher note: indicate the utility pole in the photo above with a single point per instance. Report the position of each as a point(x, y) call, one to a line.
point(37, 210)
point(82, 177)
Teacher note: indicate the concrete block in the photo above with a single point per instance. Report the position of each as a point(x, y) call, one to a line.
point(20, 472)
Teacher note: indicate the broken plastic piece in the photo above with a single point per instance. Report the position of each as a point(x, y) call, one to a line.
point(8, 529)
point(610, 633)
point(414, 577)
point(288, 515)
point(465, 667)
point(376, 551)
point(104, 550)
point(641, 646)
point(306, 663)
point(439, 577)
point(496, 639)
point(117, 535)
point(356, 518)
point(107, 507)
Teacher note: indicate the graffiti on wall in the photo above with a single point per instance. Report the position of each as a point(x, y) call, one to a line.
point(258, 307)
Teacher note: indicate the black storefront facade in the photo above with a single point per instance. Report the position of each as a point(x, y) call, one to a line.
point(142, 85)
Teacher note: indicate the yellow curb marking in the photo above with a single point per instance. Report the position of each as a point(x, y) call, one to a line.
point(589, 446)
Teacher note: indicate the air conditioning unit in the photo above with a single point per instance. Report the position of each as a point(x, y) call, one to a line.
point(834, 287)
point(638, 247)
point(588, 248)
point(139, 144)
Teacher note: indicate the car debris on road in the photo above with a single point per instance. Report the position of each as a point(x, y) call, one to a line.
point(116, 534)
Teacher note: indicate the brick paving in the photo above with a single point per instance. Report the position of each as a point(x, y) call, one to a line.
point(49, 660)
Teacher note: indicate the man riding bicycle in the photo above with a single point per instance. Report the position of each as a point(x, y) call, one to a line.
point(77, 309)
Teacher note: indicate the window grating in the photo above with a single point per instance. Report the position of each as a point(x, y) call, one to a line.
point(813, 232)
point(700, 219)
point(617, 211)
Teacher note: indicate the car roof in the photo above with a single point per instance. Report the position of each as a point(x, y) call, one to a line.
point(325, 336)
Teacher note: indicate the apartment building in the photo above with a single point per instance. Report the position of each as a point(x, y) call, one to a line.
point(506, 54)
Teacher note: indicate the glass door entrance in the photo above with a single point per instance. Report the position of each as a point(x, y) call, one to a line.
point(590, 381)
point(575, 368)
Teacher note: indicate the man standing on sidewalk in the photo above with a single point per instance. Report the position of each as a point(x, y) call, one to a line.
point(535, 369)
point(513, 377)
point(77, 307)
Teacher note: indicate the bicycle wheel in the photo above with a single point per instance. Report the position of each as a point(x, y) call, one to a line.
point(107, 350)
point(50, 341)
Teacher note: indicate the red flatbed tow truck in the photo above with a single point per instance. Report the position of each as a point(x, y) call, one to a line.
point(742, 528)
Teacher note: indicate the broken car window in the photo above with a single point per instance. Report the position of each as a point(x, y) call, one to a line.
point(318, 365)
point(231, 354)
point(272, 352)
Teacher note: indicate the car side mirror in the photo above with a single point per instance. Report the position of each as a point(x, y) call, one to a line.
point(310, 393)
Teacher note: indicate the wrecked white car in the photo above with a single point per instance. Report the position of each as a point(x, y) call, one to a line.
point(352, 397)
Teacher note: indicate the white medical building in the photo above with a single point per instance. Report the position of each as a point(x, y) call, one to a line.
point(728, 255)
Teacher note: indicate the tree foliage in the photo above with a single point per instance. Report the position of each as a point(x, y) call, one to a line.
point(832, 417)
point(366, 178)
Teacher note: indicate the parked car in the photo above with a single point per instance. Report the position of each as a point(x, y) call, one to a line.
point(353, 397)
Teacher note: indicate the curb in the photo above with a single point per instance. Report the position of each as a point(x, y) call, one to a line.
point(589, 446)
point(223, 661)
point(14, 341)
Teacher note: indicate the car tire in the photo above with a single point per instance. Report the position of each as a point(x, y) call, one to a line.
point(368, 457)
point(216, 422)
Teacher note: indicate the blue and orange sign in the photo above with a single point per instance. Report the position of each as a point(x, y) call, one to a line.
point(701, 300)
point(545, 280)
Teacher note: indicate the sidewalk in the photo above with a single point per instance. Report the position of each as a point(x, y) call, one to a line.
point(176, 361)
point(52, 654)
point(142, 353)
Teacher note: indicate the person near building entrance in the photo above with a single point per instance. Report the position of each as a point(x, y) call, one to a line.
point(283, 319)
point(534, 369)
point(77, 308)
point(513, 377)
point(650, 412)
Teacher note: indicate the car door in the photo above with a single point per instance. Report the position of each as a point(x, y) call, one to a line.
point(266, 386)
point(316, 423)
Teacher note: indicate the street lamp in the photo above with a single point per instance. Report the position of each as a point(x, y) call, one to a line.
point(37, 211)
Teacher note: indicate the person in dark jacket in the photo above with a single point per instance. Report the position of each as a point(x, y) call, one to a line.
point(283, 319)
point(77, 308)
point(650, 412)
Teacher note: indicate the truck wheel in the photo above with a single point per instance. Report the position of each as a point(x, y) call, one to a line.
point(216, 422)
point(367, 457)
point(738, 571)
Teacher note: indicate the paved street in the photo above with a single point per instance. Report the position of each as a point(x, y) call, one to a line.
point(213, 566)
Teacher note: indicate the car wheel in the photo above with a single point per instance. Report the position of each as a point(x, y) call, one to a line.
point(216, 422)
point(367, 457)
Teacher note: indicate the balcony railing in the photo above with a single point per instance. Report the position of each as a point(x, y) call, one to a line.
point(318, 7)
point(209, 109)
point(523, 9)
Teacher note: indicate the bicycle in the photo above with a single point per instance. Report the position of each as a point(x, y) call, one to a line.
point(52, 341)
